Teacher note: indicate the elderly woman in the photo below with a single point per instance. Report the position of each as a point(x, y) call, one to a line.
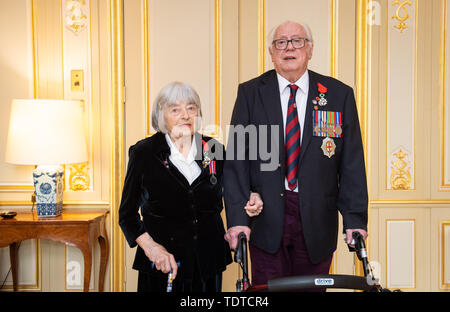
point(175, 180)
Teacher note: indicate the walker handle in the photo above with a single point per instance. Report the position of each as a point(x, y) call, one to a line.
point(240, 256)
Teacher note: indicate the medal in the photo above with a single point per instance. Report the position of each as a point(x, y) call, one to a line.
point(323, 101)
point(330, 130)
point(212, 171)
point(328, 147)
point(338, 130)
point(322, 91)
point(316, 130)
point(208, 162)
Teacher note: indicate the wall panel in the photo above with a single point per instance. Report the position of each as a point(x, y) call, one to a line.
point(401, 253)
point(445, 254)
point(169, 33)
point(17, 81)
point(401, 96)
point(445, 107)
point(404, 246)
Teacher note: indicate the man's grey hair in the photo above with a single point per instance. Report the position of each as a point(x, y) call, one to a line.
point(174, 92)
point(305, 26)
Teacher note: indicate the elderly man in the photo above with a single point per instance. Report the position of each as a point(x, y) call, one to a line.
point(290, 214)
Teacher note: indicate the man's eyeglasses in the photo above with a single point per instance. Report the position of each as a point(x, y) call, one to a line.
point(297, 43)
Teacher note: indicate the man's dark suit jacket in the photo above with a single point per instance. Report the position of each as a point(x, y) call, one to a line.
point(325, 185)
point(183, 218)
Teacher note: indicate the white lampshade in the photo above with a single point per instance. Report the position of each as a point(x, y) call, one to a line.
point(46, 132)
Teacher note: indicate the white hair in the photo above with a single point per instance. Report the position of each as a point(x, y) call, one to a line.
point(174, 92)
point(305, 26)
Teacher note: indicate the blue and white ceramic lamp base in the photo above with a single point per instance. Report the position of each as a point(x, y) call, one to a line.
point(48, 186)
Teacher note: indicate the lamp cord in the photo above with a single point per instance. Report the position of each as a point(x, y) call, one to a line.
point(33, 201)
point(9, 271)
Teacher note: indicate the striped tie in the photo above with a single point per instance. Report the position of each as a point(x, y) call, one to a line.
point(292, 145)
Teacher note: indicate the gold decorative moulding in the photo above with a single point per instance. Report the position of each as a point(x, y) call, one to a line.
point(401, 17)
point(79, 177)
point(75, 19)
point(401, 172)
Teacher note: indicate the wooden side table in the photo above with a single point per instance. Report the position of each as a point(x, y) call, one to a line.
point(79, 228)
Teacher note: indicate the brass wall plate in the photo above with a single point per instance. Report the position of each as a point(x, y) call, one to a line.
point(76, 80)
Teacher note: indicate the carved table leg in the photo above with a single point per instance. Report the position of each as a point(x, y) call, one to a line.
point(104, 248)
point(87, 255)
point(13, 256)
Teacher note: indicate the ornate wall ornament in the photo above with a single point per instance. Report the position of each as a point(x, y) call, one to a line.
point(401, 18)
point(401, 173)
point(75, 19)
point(79, 177)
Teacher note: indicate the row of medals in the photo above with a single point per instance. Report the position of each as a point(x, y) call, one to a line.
point(328, 146)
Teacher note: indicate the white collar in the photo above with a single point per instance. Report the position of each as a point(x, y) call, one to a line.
point(174, 152)
point(302, 82)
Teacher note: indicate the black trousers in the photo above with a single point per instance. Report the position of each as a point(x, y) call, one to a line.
point(157, 282)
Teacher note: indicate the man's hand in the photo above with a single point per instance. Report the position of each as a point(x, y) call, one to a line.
point(254, 205)
point(231, 236)
point(349, 236)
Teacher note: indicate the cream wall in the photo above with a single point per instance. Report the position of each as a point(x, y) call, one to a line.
point(400, 79)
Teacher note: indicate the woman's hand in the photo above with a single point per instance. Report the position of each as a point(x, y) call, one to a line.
point(163, 260)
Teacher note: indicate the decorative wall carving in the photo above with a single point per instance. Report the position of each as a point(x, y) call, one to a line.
point(401, 17)
point(75, 18)
point(401, 172)
point(79, 177)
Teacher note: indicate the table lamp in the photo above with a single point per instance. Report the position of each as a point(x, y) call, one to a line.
point(46, 133)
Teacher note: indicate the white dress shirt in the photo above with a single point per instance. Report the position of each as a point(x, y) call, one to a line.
point(187, 166)
point(300, 99)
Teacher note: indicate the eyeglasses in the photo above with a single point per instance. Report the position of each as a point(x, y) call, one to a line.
point(297, 43)
point(176, 111)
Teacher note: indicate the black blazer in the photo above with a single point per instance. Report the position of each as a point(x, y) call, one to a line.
point(325, 185)
point(184, 218)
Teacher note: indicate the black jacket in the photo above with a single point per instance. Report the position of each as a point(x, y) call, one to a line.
point(184, 218)
point(326, 185)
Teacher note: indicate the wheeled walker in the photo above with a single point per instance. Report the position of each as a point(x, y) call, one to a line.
point(367, 283)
